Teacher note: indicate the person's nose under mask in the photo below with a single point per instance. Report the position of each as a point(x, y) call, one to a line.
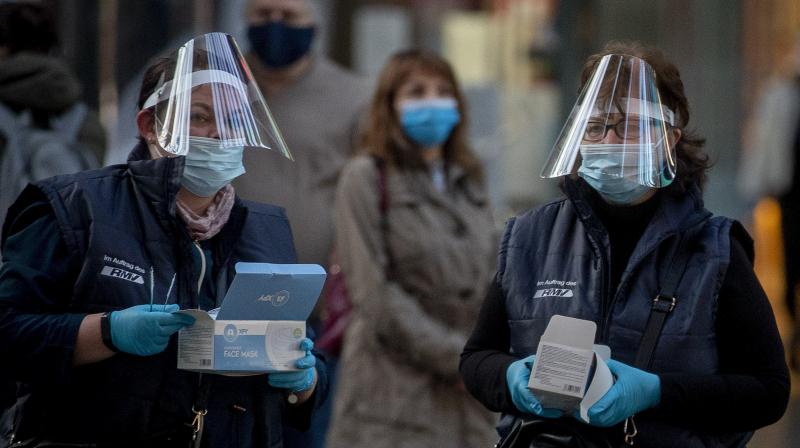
point(429, 122)
point(278, 45)
point(604, 169)
point(209, 166)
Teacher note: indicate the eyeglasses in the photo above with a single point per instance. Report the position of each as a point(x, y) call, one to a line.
point(626, 130)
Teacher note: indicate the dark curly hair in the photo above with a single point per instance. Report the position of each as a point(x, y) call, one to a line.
point(693, 161)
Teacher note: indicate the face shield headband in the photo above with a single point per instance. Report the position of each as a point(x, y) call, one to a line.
point(212, 94)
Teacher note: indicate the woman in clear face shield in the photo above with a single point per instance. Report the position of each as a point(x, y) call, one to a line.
point(695, 351)
point(97, 264)
point(415, 237)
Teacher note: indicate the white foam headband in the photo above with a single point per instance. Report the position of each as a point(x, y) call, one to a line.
point(199, 77)
point(644, 108)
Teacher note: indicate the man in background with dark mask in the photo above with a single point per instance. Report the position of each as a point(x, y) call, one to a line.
point(318, 106)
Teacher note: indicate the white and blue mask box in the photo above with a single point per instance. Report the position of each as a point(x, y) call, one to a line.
point(570, 372)
point(260, 324)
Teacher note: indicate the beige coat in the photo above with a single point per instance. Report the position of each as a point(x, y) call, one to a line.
point(398, 383)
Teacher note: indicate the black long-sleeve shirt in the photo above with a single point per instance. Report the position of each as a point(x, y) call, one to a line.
point(751, 389)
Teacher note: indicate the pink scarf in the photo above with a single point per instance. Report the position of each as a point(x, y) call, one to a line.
point(209, 224)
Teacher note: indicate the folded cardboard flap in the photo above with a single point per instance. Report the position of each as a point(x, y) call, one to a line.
point(260, 324)
point(266, 291)
point(564, 359)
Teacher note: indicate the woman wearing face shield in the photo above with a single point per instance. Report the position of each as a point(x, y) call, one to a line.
point(96, 264)
point(695, 351)
point(415, 238)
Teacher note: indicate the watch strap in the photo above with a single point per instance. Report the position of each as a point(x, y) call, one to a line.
point(105, 332)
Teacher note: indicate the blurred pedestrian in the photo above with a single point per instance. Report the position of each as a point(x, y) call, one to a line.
point(318, 106)
point(94, 357)
point(771, 168)
point(45, 128)
point(36, 88)
point(415, 237)
point(696, 354)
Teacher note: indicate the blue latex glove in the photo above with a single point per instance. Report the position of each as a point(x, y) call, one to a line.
point(517, 377)
point(299, 380)
point(139, 331)
point(634, 391)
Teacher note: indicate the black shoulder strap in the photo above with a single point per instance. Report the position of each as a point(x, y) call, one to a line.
point(665, 301)
point(383, 205)
point(200, 409)
point(384, 194)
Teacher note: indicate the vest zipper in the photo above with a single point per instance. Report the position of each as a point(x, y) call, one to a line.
point(623, 282)
point(202, 266)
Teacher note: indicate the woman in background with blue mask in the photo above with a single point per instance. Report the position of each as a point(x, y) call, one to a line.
point(96, 265)
point(415, 238)
point(695, 350)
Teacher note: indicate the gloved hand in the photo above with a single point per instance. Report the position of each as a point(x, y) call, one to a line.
point(298, 380)
point(139, 331)
point(517, 377)
point(634, 391)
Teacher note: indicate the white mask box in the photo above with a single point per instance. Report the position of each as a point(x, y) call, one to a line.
point(259, 327)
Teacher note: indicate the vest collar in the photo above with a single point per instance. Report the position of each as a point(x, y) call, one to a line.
point(675, 214)
point(157, 180)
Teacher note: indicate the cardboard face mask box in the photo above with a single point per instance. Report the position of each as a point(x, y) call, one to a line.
point(570, 371)
point(260, 324)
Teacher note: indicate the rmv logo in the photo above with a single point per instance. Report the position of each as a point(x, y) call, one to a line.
point(553, 292)
point(123, 274)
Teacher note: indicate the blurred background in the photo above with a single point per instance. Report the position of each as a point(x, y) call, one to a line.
point(518, 60)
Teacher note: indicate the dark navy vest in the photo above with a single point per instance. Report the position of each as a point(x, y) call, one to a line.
point(556, 260)
point(117, 222)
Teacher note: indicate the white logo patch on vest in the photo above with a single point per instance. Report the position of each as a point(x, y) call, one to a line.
point(554, 288)
point(123, 274)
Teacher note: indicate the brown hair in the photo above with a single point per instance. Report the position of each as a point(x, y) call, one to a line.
point(693, 161)
point(162, 69)
point(384, 137)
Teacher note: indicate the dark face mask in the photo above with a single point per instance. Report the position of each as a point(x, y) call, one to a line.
point(279, 45)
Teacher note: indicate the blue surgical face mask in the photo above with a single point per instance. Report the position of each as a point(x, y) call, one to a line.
point(429, 122)
point(279, 45)
point(602, 170)
point(210, 166)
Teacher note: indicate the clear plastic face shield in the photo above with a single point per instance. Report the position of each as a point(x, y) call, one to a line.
point(618, 127)
point(212, 96)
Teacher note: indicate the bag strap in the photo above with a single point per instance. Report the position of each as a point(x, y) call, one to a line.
point(664, 302)
point(200, 409)
point(383, 206)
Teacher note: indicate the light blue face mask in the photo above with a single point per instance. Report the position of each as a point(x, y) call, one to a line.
point(209, 166)
point(429, 122)
point(602, 171)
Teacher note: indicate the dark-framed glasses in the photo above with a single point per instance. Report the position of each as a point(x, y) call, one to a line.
point(626, 129)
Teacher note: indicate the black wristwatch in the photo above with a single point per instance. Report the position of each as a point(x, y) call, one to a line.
point(105, 332)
